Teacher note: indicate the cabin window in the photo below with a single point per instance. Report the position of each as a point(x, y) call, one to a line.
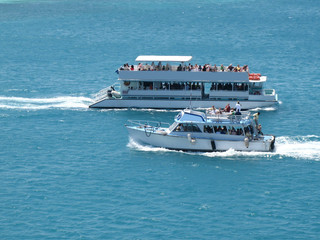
point(177, 86)
point(240, 87)
point(248, 130)
point(236, 131)
point(193, 86)
point(220, 129)
point(164, 86)
point(213, 87)
point(224, 86)
point(207, 129)
point(148, 85)
point(187, 127)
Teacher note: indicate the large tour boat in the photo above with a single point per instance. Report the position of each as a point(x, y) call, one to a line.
point(197, 131)
point(155, 82)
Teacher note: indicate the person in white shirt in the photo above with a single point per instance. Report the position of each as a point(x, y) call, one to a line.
point(238, 108)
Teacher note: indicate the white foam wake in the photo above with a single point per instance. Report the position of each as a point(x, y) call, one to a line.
point(300, 147)
point(306, 147)
point(63, 102)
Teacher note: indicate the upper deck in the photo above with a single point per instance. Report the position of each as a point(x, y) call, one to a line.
point(191, 116)
point(160, 68)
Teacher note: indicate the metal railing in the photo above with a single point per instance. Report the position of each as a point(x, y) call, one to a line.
point(149, 124)
point(228, 117)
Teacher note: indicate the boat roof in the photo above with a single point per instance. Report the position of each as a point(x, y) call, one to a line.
point(189, 115)
point(156, 58)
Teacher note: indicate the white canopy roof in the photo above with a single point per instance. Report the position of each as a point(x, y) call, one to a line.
point(153, 58)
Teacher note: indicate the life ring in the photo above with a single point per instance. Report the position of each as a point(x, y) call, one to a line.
point(126, 83)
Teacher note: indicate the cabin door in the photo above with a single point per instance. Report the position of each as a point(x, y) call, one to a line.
point(205, 88)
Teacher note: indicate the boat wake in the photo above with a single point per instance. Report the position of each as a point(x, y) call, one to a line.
point(300, 147)
point(63, 102)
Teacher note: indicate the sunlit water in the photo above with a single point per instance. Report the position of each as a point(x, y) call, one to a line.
point(69, 172)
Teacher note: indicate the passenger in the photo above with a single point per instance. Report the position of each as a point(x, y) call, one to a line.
point(218, 111)
point(140, 67)
point(153, 67)
point(132, 68)
point(212, 110)
point(238, 108)
point(189, 67)
point(230, 68)
point(167, 67)
point(256, 117)
point(159, 67)
point(215, 69)
point(245, 68)
point(227, 108)
point(222, 68)
point(259, 129)
point(147, 67)
point(238, 68)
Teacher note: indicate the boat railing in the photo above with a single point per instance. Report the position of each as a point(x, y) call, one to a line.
point(228, 117)
point(101, 94)
point(149, 124)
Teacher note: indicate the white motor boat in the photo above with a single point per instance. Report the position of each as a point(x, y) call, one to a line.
point(199, 131)
point(157, 82)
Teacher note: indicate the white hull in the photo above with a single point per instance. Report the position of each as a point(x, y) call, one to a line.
point(198, 144)
point(177, 104)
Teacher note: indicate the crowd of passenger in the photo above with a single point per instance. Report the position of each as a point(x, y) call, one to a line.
point(168, 85)
point(222, 130)
point(180, 86)
point(232, 111)
point(183, 67)
point(228, 86)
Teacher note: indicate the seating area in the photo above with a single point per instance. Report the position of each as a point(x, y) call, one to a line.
point(184, 67)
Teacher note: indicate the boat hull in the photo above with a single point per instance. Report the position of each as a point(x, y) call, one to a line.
point(178, 104)
point(186, 143)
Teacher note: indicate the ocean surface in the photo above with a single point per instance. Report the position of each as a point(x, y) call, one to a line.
point(69, 172)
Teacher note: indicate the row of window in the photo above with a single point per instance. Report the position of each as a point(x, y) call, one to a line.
point(185, 86)
point(217, 129)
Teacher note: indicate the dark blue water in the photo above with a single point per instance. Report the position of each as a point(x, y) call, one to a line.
point(69, 172)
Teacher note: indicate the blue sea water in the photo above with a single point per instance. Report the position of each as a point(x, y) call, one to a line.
point(69, 172)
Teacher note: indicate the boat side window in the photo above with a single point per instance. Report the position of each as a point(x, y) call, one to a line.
point(177, 86)
point(187, 127)
point(240, 87)
point(238, 131)
point(207, 129)
point(247, 130)
point(225, 86)
point(164, 86)
point(220, 129)
point(213, 86)
point(147, 85)
point(195, 128)
point(179, 128)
